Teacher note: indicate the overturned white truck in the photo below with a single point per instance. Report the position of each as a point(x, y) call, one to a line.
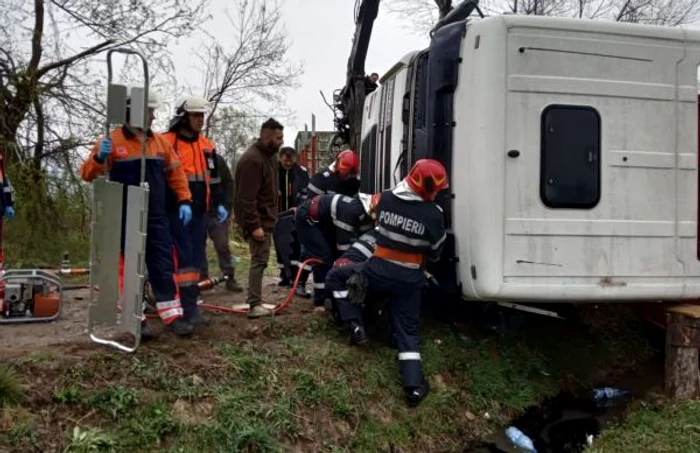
point(572, 150)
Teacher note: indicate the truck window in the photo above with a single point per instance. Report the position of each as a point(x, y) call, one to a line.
point(570, 157)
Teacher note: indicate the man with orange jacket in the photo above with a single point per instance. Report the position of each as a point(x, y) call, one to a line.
point(197, 154)
point(121, 151)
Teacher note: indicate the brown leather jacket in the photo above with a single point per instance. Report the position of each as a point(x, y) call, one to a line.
point(256, 190)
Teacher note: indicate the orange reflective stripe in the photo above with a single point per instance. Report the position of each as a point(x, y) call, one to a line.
point(186, 277)
point(398, 255)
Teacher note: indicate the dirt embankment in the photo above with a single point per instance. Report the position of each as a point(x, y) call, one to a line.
point(288, 383)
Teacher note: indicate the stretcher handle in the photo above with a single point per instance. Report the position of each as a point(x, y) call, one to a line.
point(146, 81)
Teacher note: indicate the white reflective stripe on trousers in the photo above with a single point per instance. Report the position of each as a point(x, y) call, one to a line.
point(409, 355)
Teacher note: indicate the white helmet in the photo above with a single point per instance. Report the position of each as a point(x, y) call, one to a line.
point(192, 104)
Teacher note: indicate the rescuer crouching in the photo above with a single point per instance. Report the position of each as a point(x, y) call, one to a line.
point(410, 231)
point(326, 226)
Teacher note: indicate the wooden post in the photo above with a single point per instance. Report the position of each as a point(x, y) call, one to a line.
point(682, 380)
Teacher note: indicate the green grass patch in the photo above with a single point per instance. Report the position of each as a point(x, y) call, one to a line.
point(10, 386)
point(663, 429)
point(300, 385)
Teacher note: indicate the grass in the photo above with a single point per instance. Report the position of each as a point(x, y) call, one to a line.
point(654, 428)
point(10, 386)
point(301, 386)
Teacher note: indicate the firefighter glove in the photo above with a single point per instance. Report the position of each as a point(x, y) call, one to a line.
point(185, 213)
point(9, 212)
point(221, 214)
point(105, 149)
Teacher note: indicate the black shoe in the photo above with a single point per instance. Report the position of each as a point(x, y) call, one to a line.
point(199, 320)
point(357, 334)
point(180, 327)
point(414, 395)
point(285, 283)
point(146, 332)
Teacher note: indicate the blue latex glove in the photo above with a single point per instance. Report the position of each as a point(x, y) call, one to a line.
point(9, 212)
point(185, 213)
point(222, 214)
point(105, 149)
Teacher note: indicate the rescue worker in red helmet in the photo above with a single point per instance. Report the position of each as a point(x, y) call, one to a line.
point(411, 231)
point(326, 226)
point(198, 156)
point(342, 177)
point(122, 151)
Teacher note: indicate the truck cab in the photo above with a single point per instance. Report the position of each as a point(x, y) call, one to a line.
point(572, 149)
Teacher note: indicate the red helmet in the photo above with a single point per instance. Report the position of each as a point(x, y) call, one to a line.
point(426, 178)
point(347, 164)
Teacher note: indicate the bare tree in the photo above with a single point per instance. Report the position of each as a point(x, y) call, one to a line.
point(49, 97)
point(419, 14)
point(52, 99)
point(232, 130)
point(422, 14)
point(253, 66)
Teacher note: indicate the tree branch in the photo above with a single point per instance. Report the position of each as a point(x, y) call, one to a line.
point(37, 35)
point(70, 60)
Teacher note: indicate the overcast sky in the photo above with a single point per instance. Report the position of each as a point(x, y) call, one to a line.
point(321, 32)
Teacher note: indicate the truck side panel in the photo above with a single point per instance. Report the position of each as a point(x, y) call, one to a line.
point(581, 160)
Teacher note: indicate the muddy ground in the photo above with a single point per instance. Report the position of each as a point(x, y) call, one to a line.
point(291, 382)
point(70, 330)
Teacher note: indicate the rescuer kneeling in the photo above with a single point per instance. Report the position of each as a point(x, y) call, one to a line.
point(326, 226)
point(410, 231)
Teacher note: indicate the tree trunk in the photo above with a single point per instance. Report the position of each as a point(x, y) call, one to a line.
point(682, 380)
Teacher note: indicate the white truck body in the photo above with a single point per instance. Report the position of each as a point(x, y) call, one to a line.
point(573, 159)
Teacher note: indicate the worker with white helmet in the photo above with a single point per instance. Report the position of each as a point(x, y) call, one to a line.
point(197, 154)
point(121, 150)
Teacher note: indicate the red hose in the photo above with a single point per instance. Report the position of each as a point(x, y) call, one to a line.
point(277, 308)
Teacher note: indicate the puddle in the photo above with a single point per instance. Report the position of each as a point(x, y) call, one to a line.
point(560, 425)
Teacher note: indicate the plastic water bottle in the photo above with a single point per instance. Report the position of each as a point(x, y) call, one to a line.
point(520, 440)
point(608, 393)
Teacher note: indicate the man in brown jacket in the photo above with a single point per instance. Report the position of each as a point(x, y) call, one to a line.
point(255, 205)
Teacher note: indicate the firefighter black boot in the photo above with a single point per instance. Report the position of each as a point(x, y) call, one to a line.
point(414, 395)
point(357, 334)
point(180, 327)
point(146, 332)
point(199, 320)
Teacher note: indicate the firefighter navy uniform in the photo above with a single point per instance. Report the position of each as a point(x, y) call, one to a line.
point(349, 263)
point(163, 170)
point(199, 163)
point(329, 182)
point(410, 230)
point(326, 226)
